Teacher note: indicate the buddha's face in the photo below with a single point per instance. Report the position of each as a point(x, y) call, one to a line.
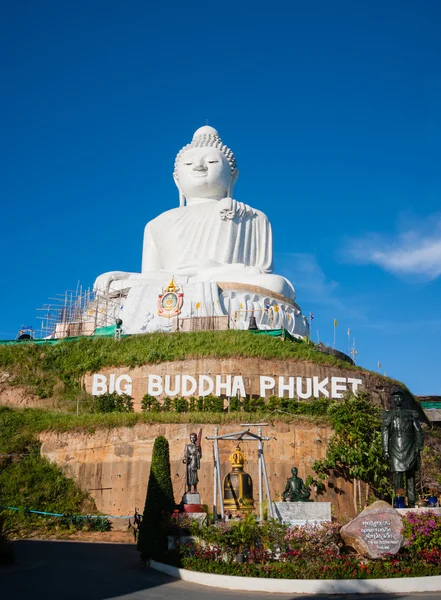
point(193, 438)
point(203, 173)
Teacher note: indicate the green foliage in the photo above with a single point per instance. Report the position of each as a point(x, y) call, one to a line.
point(430, 468)
point(311, 552)
point(150, 404)
point(152, 540)
point(422, 531)
point(213, 404)
point(180, 405)
point(112, 402)
point(29, 480)
point(325, 566)
point(355, 450)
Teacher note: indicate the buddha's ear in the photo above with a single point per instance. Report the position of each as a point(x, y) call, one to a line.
point(232, 183)
point(181, 194)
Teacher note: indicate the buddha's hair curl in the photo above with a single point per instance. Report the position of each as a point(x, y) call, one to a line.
point(208, 141)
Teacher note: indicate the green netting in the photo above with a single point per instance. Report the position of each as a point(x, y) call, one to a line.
point(105, 331)
point(275, 333)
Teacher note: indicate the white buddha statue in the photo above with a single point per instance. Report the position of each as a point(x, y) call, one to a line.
point(209, 239)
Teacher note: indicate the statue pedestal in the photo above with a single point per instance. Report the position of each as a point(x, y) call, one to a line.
point(301, 513)
point(222, 305)
point(191, 498)
point(435, 510)
point(192, 503)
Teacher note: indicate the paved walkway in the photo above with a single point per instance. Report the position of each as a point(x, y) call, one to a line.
point(47, 570)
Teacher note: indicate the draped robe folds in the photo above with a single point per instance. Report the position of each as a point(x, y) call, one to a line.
point(403, 438)
point(193, 463)
point(196, 236)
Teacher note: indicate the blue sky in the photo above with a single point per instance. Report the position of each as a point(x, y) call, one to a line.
point(333, 110)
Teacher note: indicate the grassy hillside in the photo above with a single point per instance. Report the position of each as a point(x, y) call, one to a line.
point(29, 480)
point(57, 369)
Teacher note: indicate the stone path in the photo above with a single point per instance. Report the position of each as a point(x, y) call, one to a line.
point(50, 570)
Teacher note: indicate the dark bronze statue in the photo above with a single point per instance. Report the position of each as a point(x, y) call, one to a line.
point(192, 458)
point(295, 490)
point(403, 439)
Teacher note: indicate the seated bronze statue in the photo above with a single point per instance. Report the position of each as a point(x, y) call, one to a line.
point(295, 490)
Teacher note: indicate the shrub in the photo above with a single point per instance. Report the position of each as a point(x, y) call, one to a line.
point(422, 531)
point(180, 405)
point(112, 402)
point(235, 404)
point(355, 450)
point(152, 540)
point(313, 539)
point(166, 404)
point(150, 404)
point(213, 404)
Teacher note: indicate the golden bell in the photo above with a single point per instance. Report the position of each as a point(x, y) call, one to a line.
point(238, 485)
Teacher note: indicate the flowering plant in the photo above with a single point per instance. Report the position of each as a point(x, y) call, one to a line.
point(422, 531)
point(315, 538)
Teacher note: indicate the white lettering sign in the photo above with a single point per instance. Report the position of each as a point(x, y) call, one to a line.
point(228, 385)
point(100, 387)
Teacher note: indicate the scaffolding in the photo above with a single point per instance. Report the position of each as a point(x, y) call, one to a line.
point(79, 312)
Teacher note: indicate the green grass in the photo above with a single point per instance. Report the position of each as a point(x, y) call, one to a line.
point(56, 370)
point(28, 422)
point(29, 480)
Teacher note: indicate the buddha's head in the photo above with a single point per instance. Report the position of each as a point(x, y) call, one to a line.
point(205, 168)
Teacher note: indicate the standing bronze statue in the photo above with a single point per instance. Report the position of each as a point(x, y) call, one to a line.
point(295, 490)
point(403, 439)
point(192, 458)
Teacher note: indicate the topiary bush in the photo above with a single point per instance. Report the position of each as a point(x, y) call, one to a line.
point(152, 540)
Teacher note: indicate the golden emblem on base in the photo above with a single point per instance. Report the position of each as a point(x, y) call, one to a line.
point(170, 301)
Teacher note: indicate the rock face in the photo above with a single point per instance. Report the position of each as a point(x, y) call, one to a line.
point(114, 464)
point(376, 531)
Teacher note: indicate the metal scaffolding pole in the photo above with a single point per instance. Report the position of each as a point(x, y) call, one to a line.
point(260, 463)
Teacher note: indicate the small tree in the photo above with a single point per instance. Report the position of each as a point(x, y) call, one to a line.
point(355, 451)
point(152, 540)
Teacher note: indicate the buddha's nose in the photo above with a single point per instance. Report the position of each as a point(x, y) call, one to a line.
point(200, 165)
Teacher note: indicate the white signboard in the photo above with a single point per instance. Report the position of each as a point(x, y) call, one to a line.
point(228, 385)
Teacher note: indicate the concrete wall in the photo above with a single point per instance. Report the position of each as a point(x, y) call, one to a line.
point(114, 464)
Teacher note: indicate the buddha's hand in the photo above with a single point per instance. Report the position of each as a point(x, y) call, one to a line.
point(229, 208)
point(104, 281)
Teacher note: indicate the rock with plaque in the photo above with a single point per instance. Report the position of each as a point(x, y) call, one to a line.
point(376, 531)
point(301, 513)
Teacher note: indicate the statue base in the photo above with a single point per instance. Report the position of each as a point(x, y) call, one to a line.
point(302, 513)
point(191, 498)
point(205, 305)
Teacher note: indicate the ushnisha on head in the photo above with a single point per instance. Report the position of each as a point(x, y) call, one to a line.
point(205, 169)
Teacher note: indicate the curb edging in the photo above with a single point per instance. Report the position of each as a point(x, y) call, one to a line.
point(304, 586)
